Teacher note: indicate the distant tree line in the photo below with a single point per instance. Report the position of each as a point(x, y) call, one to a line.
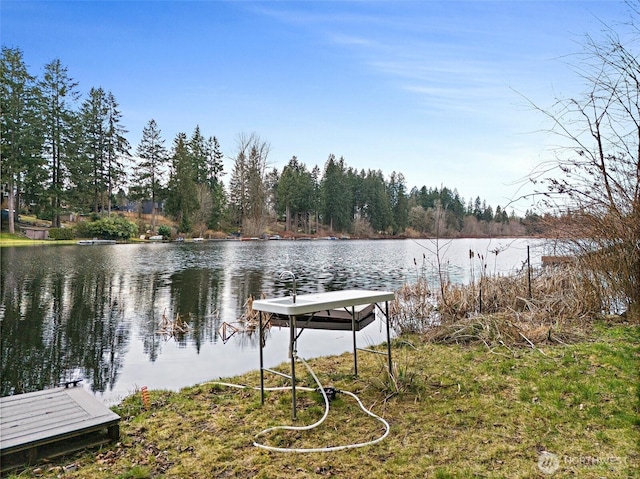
point(63, 153)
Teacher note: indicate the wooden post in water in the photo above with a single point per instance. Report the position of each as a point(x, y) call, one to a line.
point(529, 270)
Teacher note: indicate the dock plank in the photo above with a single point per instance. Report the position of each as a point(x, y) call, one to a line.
point(51, 418)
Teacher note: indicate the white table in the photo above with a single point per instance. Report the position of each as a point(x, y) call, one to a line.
point(330, 307)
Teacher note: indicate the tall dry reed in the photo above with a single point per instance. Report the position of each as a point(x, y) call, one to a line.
point(499, 309)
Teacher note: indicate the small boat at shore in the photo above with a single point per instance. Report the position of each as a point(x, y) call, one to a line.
point(96, 241)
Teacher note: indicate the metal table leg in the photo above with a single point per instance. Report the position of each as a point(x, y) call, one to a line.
point(260, 333)
point(355, 347)
point(293, 351)
point(386, 307)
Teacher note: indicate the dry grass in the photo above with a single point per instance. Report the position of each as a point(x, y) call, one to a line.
point(499, 310)
point(477, 395)
point(458, 411)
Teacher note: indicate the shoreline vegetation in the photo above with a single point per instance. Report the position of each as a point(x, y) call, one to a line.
point(509, 386)
point(17, 239)
point(127, 227)
point(8, 239)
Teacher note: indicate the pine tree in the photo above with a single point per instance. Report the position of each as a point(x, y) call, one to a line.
point(97, 167)
point(336, 196)
point(207, 165)
point(238, 190)
point(399, 203)
point(377, 205)
point(182, 196)
point(198, 151)
point(214, 180)
point(150, 169)
point(295, 194)
point(59, 96)
point(21, 135)
point(88, 175)
point(116, 149)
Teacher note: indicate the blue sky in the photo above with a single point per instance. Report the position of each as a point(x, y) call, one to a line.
point(435, 90)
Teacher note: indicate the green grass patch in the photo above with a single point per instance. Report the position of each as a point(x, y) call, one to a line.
point(455, 412)
point(9, 239)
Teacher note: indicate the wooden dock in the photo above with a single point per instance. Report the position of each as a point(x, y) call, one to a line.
point(50, 423)
point(557, 261)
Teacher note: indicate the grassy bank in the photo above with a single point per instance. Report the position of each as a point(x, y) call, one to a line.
point(8, 239)
point(454, 411)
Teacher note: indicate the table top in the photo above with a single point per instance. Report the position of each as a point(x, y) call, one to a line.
point(312, 303)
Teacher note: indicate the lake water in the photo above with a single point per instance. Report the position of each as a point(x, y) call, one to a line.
point(95, 312)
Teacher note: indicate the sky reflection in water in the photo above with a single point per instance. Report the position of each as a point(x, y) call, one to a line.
point(95, 311)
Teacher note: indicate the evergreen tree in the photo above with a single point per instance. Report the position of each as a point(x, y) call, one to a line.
point(207, 165)
point(377, 208)
point(454, 208)
point(271, 182)
point(257, 188)
point(59, 95)
point(487, 214)
point(315, 194)
point(238, 190)
point(285, 191)
point(150, 169)
point(214, 180)
point(498, 216)
point(20, 135)
point(295, 195)
point(336, 196)
point(198, 151)
point(117, 148)
point(477, 208)
point(355, 180)
point(399, 203)
point(182, 194)
point(88, 174)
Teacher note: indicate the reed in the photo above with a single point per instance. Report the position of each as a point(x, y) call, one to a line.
point(500, 309)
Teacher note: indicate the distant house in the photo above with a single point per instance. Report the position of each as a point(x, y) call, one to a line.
point(144, 206)
point(147, 207)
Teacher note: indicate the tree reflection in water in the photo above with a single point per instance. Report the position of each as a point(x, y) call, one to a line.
point(95, 312)
point(57, 327)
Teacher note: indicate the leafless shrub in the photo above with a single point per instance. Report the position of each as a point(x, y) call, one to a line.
point(592, 184)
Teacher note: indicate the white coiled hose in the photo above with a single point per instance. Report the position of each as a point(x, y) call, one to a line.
point(315, 424)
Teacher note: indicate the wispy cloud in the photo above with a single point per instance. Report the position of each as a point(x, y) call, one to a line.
point(418, 49)
point(351, 40)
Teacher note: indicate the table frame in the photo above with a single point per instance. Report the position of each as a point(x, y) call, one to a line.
point(293, 340)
